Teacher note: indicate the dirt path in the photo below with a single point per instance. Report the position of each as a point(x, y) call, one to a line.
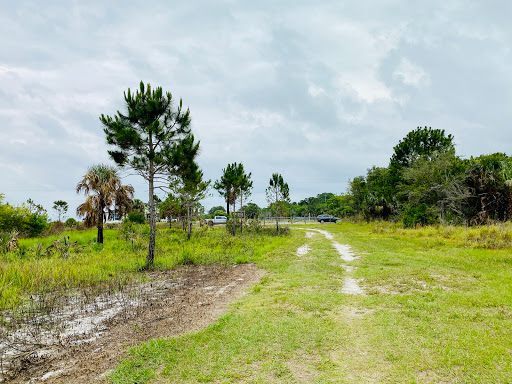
point(350, 285)
point(188, 300)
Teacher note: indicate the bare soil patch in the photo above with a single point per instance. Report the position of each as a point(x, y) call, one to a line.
point(179, 301)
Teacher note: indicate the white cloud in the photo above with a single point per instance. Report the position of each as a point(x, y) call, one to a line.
point(411, 74)
point(315, 91)
point(265, 86)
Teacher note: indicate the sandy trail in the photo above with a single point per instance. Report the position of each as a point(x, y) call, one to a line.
point(350, 285)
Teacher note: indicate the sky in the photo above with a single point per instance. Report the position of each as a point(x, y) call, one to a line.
point(316, 91)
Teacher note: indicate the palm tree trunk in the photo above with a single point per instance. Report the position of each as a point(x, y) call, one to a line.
point(99, 238)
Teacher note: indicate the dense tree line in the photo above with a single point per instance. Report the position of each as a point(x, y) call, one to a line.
point(426, 182)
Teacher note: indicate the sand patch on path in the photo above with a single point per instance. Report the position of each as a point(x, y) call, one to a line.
point(303, 250)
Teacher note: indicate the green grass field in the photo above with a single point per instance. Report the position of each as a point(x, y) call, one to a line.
point(437, 308)
point(91, 266)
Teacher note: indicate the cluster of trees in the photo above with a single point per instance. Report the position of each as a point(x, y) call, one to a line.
point(426, 182)
point(30, 219)
point(233, 186)
point(313, 206)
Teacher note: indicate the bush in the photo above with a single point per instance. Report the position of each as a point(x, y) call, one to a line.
point(419, 214)
point(137, 217)
point(71, 222)
point(36, 224)
point(20, 219)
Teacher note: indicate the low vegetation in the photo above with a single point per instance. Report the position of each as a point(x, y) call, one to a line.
point(436, 308)
point(73, 259)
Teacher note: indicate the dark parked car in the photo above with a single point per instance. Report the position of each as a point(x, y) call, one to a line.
point(327, 219)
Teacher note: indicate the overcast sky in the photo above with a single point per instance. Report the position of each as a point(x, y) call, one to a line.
point(317, 91)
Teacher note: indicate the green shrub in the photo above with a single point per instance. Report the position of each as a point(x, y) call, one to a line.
point(419, 214)
point(137, 217)
point(71, 222)
point(218, 212)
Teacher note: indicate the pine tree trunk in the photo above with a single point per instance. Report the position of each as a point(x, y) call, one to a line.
point(189, 224)
point(277, 213)
point(241, 218)
point(234, 218)
point(152, 219)
point(227, 203)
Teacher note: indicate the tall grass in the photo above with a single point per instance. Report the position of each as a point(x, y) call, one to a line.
point(72, 259)
point(497, 236)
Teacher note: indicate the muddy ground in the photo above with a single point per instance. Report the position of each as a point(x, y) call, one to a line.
point(178, 301)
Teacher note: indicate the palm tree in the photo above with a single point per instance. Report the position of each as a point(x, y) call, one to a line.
point(102, 186)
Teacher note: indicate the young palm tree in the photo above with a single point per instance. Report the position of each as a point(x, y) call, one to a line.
point(101, 185)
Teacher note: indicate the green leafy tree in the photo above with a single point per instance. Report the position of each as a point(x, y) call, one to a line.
point(225, 186)
point(234, 184)
point(252, 211)
point(101, 184)
point(136, 217)
point(277, 193)
point(380, 199)
point(341, 206)
point(426, 142)
point(358, 190)
point(145, 139)
point(219, 212)
point(70, 222)
point(37, 219)
point(434, 189)
point(138, 205)
point(171, 207)
point(61, 207)
point(31, 220)
point(213, 211)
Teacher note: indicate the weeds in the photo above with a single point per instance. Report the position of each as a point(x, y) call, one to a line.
point(58, 280)
point(496, 236)
point(74, 259)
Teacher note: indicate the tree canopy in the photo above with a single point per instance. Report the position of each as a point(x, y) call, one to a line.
point(61, 207)
point(101, 185)
point(425, 142)
point(234, 183)
point(145, 139)
point(277, 193)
